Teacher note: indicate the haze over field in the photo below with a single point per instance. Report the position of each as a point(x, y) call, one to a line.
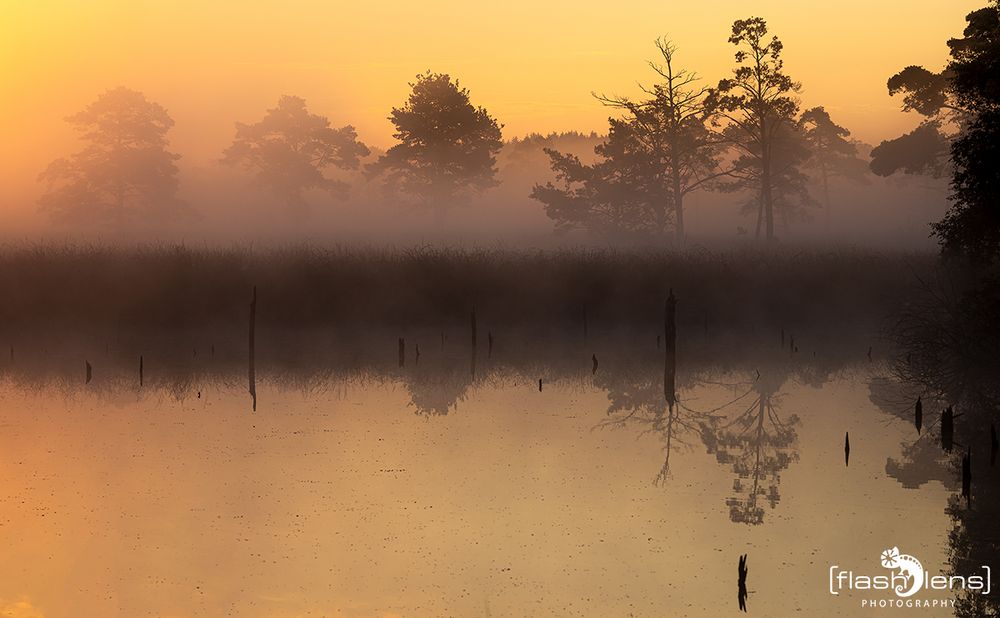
point(532, 67)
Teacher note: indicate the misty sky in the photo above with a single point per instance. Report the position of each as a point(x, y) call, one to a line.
point(533, 65)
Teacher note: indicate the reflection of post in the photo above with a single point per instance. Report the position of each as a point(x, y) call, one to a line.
point(252, 363)
point(473, 324)
point(741, 582)
point(670, 354)
point(947, 428)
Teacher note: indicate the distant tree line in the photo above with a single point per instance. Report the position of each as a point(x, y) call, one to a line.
point(747, 134)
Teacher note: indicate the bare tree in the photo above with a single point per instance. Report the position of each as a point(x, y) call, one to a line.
point(672, 127)
point(655, 155)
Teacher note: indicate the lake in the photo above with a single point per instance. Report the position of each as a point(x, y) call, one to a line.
point(460, 485)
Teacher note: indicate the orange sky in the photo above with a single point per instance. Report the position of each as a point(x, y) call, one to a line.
point(532, 64)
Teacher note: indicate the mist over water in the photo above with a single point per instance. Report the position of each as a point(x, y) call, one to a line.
point(394, 310)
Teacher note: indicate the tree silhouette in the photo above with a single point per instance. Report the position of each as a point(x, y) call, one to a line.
point(654, 157)
point(832, 153)
point(757, 105)
point(289, 149)
point(789, 151)
point(925, 149)
point(961, 105)
point(124, 173)
point(972, 224)
point(623, 195)
point(447, 147)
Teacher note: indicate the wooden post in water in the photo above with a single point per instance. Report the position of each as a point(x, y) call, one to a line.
point(401, 347)
point(140, 370)
point(670, 349)
point(253, 350)
point(90, 371)
point(847, 449)
point(918, 414)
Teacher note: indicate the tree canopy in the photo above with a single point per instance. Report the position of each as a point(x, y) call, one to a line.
point(972, 224)
point(961, 106)
point(289, 150)
point(124, 173)
point(447, 146)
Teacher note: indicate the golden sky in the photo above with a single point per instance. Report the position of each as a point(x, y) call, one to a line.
point(533, 64)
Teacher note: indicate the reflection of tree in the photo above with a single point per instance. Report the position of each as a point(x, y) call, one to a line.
point(639, 400)
point(437, 388)
point(972, 543)
point(949, 348)
point(922, 459)
point(758, 445)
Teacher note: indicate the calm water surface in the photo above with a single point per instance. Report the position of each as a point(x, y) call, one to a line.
point(440, 494)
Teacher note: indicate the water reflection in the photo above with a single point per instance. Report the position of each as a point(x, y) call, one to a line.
point(948, 341)
point(492, 489)
point(758, 444)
